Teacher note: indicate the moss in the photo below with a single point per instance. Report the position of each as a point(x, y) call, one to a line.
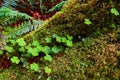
point(70, 20)
point(98, 58)
point(18, 73)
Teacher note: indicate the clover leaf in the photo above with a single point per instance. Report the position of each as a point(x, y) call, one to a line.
point(87, 21)
point(9, 49)
point(35, 43)
point(64, 39)
point(48, 40)
point(56, 49)
point(1, 52)
point(33, 51)
point(21, 42)
point(69, 43)
point(69, 37)
point(39, 48)
point(114, 11)
point(46, 50)
point(22, 49)
point(58, 39)
point(48, 57)
point(34, 67)
point(30, 49)
point(47, 70)
point(15, 60)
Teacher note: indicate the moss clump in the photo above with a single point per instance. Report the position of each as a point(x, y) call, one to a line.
point(97, 58)
point(70, 20)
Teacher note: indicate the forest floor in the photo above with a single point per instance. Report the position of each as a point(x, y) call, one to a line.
point(97, 58)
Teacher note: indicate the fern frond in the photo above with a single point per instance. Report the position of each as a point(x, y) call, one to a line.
point(9, 16)
point(7, 12)
point(57, 6)
point(9, 3)
point(24, 28)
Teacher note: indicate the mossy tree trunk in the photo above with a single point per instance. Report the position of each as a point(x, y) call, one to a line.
point(70, 20)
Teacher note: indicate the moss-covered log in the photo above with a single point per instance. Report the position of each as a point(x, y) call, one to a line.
point(70, 20)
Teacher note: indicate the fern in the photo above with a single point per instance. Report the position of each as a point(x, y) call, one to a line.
point(32, 3)
point(23, 28)
point(9, 3)
point(8, 16)
point(57, 6)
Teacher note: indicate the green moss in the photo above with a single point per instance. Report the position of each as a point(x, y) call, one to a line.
point(17, 73)
point(98, 58)
point(70, 19)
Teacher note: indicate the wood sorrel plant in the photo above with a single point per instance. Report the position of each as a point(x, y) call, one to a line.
point(19, 51)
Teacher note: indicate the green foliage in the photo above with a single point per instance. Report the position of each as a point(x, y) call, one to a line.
point(47, 70)
point(13, 42)
point(69, 37)
point(87, 21)
point(57, 49)
point(15, 60)
point(40, 48)
point(48, 57)
point(69, 43)
point(58, 39)
point(48, 40)
point(21, 42)
point(9, 49)
point(34, 67)
point(33, 51)
point(64, 39)
point(114, 11)
point(31, 4)
point(34, 48)
point(9, 16)
point(57, 6)
point(1, 52)
point(35, 43)
point(9, 3)
point(46, 50)
point(23, 28)
point(20, 49)
point(54, 47)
